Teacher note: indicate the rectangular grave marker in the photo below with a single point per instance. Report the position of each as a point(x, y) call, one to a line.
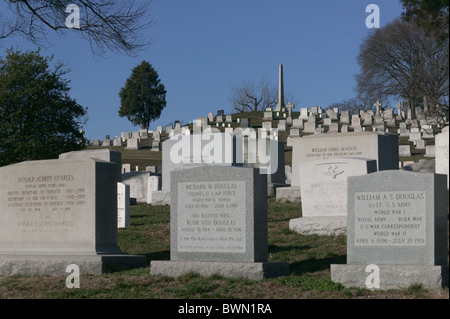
point(397, 220)
point(218, 224)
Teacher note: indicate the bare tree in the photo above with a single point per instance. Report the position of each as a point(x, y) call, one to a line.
point(251, 96)
point(401, 60)
point(106, 24)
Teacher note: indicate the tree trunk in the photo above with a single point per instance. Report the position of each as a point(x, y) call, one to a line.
point(412, 106)
point(425, 105)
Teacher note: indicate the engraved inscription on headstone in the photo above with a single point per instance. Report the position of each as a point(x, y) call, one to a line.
point(395, 218)
point(212, 218)
point(44, 204)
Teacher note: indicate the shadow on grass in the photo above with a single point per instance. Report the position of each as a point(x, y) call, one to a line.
point(313, 265)
point(273, 249)
point(158, 255)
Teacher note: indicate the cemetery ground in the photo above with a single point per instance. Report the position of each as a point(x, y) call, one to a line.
point(309, 257)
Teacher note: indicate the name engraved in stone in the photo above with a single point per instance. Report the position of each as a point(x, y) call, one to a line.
point(332, 151)
point(211, 217)
point(396, 218)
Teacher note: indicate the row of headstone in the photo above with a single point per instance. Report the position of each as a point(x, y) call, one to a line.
point(396, 220)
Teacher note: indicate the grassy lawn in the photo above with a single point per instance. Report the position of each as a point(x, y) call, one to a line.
point(309, 258)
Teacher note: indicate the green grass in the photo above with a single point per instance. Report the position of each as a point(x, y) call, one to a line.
point(309, 258)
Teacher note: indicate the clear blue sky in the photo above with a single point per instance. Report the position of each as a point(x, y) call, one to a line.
point(201, 48)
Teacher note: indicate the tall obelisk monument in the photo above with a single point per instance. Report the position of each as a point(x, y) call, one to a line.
point(280, 90)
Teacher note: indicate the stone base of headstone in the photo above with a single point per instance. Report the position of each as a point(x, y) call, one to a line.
point(247, 270)
point(320, 225)
point(272, 188)
point(160, 198)
point(55, 265)
point(288, 194)
point(392, 276)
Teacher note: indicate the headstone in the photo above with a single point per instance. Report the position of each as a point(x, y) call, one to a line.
point(297, 123)
point(219, 119)
point(133, 144)
point(294, 132)
point(155, 147)
point(60, 212)
point(377, 108)
point(441, 152)
point(126, 168)
point(268, 116)
point(143, 133)
point(138, 182)
point(367, 120)
point(156, 136)
point(397, 220)
point(345, 117)
point(327, 121)
point(403, 131)
point(420, 144)
point(430, 151)
point(228, 119)
point(124, 136)
point(310, 125)
point(106, 143)
point(323, 185)
point(290, 106)
point(218, 225)
point(356, 121)
point(399, 111)
point(381, 147)
point(282, 125)
point(415, 134)
point(135, 135)
point(117, 141)
point(152, 169)
point(210, 117)
point(303, 113)
point(203, 121)
point(154, 185)
point(427, 131)
point(314, 110)
point(333, 128)
point(267, 125)
point(404, 150)
point(245, 122)
point(390, 122)
point(123, 205)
